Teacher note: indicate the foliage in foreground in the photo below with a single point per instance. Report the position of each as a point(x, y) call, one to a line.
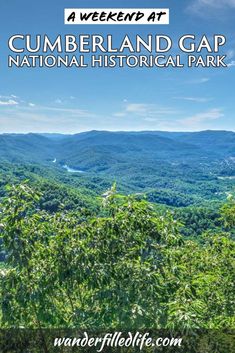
point(130, 268)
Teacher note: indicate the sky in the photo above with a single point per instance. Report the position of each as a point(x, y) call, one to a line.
point(74, 100)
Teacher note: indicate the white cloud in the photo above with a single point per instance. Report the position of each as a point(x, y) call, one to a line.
point(46, 119)
point(16, 101)
point(139, 108)
point(230, 54)
point(212, 114)
point(231, 64)
point(119, 115)
point(144, 110)
point(200, 80)
point(200, 5)
point(194, 99)
point(8, 96)
point(58, 101)
point(8, 102)
point(151, 120)
point(69, 111)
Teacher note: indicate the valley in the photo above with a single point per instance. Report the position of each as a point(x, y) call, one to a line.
point(176, 169)
point(106, 229)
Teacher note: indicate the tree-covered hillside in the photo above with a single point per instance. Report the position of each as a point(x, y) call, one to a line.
point(129, 268)
point(176, 169)
point(154, 251)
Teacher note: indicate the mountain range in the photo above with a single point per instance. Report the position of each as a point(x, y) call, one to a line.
point(162, 164)
point(90, 148)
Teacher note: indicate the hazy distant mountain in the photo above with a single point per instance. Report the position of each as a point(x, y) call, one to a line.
point(176, 168)
point(110, 147)
point(26, 148)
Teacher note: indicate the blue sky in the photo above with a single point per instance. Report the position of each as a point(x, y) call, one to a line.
point(73, 100)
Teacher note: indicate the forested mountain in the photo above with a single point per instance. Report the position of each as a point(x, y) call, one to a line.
point(173, 168)
point(153, 250)
point(128, 267)
point(210, 144)
point(152, 145)
point(25, 148)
